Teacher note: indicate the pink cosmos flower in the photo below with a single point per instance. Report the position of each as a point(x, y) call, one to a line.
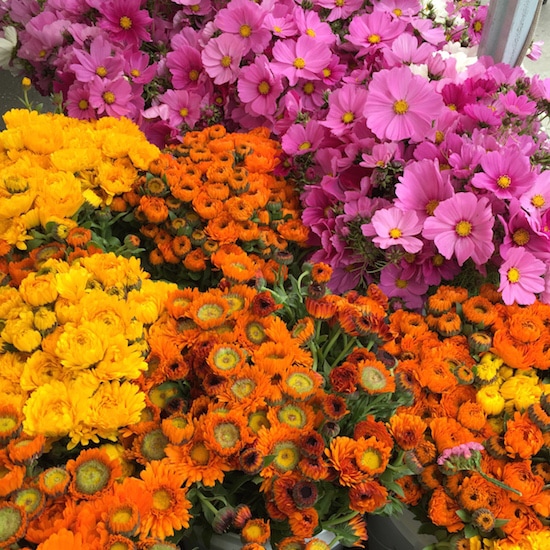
point(258, 87)
point(126, 22)
point(78, 102)
point(401, 105)
point(394, 227)
point(177, 107)
point(405, 49)
point(309, 23)
point(301, 139)
point(111, 97)
point(138, 69)
point(517, 105)
point(99, 62)
point(462, 226)
point(380, 155)
point(521, 277)
point(369, 32)
point(506, 173)
point(303, 58)
point(221, 58)
point(537, 197)
point(345, 109)
point(244, 19)
point(403, 282)
point(398, 8)
point(422, 187)
point(339, 9)
point(185, 66)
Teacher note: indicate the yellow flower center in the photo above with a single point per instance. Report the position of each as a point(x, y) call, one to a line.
point(348, 117)
point(276, 28)
point(245, 31)
point(478, 25)
point(401, 283)
point(161, 500)
point(299, 63)
point(309, 88)
point(521, 237)
point(513, 275)
point(439, 136)
point(227, 435)
point(304, 145)
point(264, 87)
point(7, 424)
point(109, 98)
point(463, 228)
point(370, 460)
point(395, 233)
point(101, 71)
point(398, 12)
point(122, 515)
point(400, 107)
point(437, 260)
point(327, 72)
point(195, 7)
point(504, 182)
point(374, 39)
point(184, 111)
point(311, 32)
point(125, 22)
point(431, 206)
point(193, 75)
point(452, 106)
point(225, 61)
point(200, 454)
point(538, 201)
point(339, 3)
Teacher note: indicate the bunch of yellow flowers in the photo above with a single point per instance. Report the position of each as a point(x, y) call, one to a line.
point(75, 342)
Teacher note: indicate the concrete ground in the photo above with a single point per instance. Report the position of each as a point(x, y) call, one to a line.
point(10, 87)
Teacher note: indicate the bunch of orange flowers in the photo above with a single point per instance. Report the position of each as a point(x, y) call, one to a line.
point(245, 421)
point(213, 207)
point(479, 430)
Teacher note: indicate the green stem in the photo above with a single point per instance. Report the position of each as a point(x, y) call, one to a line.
point(500, 484)
point(347, 348)
point(343, 519)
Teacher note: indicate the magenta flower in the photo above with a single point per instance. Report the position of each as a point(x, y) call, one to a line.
point(338, 9)
point(422, 187)
point(186, 68)
point(244, 19)
point(404, 282)
point(221, 58)
point(111, 97)
point(462, 226)
point(393, 227)
point(369, 32)
point(345, 109)
point(126, 22)
point(177, 107)
point(506, 173)
point(401, 105)
point(99, 62)
point(78, 102)
point(301, 139)
point(309, 23)
point(303, 58)
point(398, 8)
point(521, 277)
point(258, 87)
point(517, 105)
point(138, 69)
point(537, 197)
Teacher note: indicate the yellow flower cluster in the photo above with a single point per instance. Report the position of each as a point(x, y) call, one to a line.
point(50, 165)
point(75, 343)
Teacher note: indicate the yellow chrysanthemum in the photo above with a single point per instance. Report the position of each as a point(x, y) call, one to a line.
point(39, 369)
point(11, 369)
point(522, 390)
point(75, 159)
point(82, 345)
point(38, 290)
point(60, 196)
point(112, 271)
point(72, 284)
point(10, 302)
point(45, 138)
point(120, 360)
point(48, 411)
point(147, 303)
point(490, 399)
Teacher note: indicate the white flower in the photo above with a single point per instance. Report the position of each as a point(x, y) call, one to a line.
point(7, 45)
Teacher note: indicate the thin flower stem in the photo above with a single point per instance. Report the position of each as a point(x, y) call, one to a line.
point(500, 484)
point(338, 521)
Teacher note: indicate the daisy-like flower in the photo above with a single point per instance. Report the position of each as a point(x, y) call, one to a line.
point(221, 58)
point(339, 9)
point(244, 19)
point(78, 102)
point(126, 22)
point(399, 281)
point(537, 198)
point(521, 277)
point(258, 87)
point(303, 58)
point(369, 32)
point(462, 226)
point(7, 45)
point(506, 173)
point(185, 66)
point(110, 97)
point(299, 139)
point(422, 187)
point(177, 107)
point(393, 226)
point(345, 109)
point(99, 62)
point(401, 105)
